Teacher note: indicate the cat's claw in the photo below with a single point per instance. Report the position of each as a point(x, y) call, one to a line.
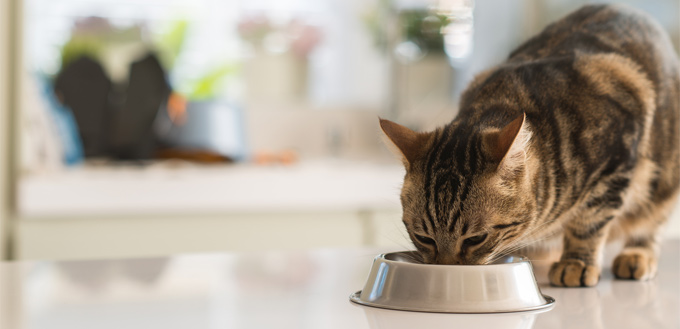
point(634, 265)
point(573, 273)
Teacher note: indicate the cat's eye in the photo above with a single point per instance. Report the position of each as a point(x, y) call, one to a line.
point(424, 240)
point(475, 240)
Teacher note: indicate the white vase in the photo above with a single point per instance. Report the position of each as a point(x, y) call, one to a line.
point(273, 78)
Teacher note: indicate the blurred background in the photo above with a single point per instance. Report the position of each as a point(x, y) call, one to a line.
point(154, 127)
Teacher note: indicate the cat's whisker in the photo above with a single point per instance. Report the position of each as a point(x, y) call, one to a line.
point(525, 240)
point(517, 246)
point(403, 246)
point(415, 257)
point(520, 244)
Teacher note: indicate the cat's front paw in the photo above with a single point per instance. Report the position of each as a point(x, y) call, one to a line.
point(634, 265)
point(573, 273)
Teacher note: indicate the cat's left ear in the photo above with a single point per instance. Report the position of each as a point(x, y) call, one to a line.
point(409, 144)
point(507, 146)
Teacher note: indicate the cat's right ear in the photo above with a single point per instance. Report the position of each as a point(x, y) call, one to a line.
point(410, 145)
point(507, 146)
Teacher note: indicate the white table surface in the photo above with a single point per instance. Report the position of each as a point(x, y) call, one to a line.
point(307, 289)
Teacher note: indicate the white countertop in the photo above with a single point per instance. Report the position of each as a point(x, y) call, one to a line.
point(171, 188)
point(166, 188)
point(292, 290)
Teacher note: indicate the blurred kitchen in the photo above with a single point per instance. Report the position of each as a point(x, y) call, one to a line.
point(135, 128)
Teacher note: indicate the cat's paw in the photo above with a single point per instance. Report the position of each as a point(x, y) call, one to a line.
point(573, 273)
point(635, 264)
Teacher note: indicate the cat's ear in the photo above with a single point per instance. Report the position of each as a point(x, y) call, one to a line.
point(410, 145)
point(507, 146)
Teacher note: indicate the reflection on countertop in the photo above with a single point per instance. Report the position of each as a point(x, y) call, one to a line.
point(291, 290)
point(381, 319)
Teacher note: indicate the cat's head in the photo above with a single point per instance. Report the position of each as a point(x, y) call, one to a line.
point(467, 195)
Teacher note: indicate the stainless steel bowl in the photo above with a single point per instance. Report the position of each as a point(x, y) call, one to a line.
point(397, 282)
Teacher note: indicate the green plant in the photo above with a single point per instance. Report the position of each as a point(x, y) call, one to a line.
point(169, 44)
point(208, 85)
point(423, 28)
point(76, 47)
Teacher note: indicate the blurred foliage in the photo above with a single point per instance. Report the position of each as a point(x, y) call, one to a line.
point(376, 21)
point(423, 28)
point(419, 26)
point(95, 37)
point(208, 86)
point(169, 44)
point(81, 46)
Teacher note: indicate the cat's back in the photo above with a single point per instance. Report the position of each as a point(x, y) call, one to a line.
point(600, 86)
point(609, 29)
point(595, 44)
point(603, 71)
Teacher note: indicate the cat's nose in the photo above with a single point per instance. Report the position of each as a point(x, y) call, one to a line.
point(447, 260)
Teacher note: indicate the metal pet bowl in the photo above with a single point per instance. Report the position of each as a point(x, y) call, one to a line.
point(397, 282)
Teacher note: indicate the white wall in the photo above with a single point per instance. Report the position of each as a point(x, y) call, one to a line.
point(672, 230)
point(4, 106)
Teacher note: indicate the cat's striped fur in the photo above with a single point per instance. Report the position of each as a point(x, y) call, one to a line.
point(576, 136)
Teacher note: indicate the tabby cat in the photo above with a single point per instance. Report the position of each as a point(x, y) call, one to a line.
point(575, 137)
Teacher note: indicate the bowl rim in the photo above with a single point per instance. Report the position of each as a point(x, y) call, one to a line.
point(355, 298)
point(382, 257)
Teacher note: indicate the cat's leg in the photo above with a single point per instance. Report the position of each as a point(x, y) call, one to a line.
point(581, 261)
point(586, 233)
point(638, 260)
